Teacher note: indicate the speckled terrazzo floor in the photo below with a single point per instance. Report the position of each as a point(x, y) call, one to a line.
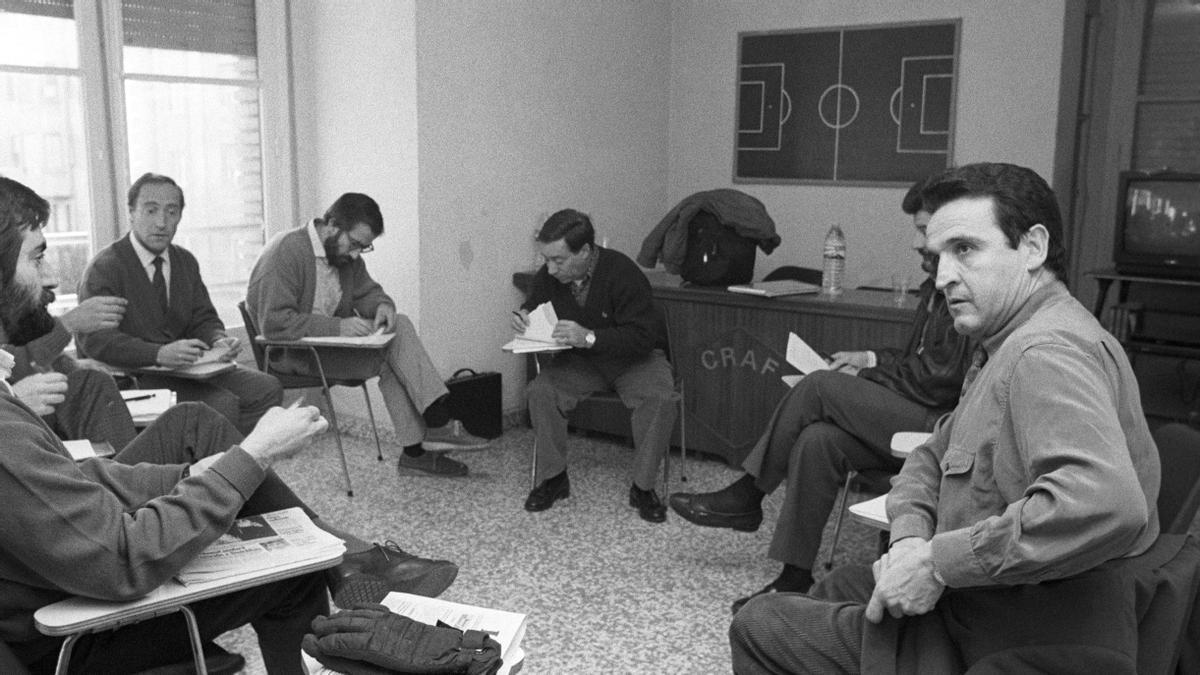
point(605, 592)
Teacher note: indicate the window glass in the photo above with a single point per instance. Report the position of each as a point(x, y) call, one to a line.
point(42, 41)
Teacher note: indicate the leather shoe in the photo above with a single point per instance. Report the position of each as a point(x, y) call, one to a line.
point(647, 504)
point(547, 492)
point(696, 507)
point(370, 575)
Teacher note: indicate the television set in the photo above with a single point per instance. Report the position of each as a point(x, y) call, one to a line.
point(1158, 224)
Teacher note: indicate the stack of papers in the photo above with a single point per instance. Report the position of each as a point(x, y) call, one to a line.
point(261, 542)
point(775, 289)
point(84, 449)
point(506, 628)
point(537, 335)
point(145, 405)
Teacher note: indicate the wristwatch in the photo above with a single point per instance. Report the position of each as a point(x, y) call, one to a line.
point(590, 339)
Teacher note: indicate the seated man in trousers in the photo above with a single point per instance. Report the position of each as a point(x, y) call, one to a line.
point(1043, 473)
point(607, 315)
point(170, 320)
point(312, 281)
point(117, 528)
point(77, 398)
point(833, 421)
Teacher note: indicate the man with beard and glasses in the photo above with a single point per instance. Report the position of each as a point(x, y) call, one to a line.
point(78, 398)
point(170, 320)
point(840, 420)
point(115, 529)
point(312, 281)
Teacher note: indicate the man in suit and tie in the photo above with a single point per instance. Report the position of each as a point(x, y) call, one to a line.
point(170, 320)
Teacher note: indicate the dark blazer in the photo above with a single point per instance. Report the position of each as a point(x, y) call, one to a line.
point(134, 344)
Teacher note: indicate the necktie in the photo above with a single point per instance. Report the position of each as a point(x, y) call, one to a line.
point(160, 284)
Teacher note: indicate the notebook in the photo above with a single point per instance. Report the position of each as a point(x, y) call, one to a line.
point(775, 289)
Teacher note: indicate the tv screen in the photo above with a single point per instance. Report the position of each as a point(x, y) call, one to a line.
point(1158, 224)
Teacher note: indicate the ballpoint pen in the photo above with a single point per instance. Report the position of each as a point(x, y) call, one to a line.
point(143, 397)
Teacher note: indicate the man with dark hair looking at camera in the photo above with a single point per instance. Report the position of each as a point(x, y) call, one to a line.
point(839, 420)
point(170, 320)
point(1009, 526)
point(607, 315)
point(312, 281)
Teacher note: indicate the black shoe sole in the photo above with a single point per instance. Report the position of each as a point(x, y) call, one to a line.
point(535, 508)
point(740, 522)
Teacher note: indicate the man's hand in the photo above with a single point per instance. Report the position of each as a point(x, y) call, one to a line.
point(101, 312)
point(850, 362)
point(520, 321)
point(42, 391)
point(233, 344)
point(385, 318)
point(904, 583)
point(570, 333)
point(7, 361)
point(281, 432)
point(355, 326)
point(180, 353)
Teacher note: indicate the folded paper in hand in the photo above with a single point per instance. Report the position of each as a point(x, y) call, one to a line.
point(261, 542)
point(803, 358)
point(538, 334)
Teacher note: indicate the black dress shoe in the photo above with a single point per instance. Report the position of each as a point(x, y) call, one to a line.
point(647, 504)
point(370, 575)
point(696, 508)
point(547, 492)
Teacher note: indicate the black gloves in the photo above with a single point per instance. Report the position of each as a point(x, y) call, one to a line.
point(371, 640)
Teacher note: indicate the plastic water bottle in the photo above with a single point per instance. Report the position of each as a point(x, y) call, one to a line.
point(834, 267)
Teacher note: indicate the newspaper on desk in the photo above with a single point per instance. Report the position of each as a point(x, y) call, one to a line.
point(260, 542)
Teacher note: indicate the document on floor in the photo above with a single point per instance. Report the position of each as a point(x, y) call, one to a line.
point(537, 335)
point(506, 628)
point(803, 358)
point(261, 542)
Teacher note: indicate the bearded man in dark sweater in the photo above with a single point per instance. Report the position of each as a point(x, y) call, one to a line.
point(618, 339)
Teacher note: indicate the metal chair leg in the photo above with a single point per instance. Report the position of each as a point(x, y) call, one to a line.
point(841, 513)
point(337, 436)
point(374, 429)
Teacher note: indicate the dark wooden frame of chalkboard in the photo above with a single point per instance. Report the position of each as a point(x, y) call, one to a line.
point(878, 60)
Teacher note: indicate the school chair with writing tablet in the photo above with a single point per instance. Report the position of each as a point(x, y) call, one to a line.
point(262, 351)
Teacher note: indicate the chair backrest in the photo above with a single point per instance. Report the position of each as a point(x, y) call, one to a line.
point(251, 335)
point(807, 275)
point(1179, 492)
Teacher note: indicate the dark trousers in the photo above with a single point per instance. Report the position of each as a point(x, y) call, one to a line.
point(93, 409)
point(828, 424)
point(242, 395)
point(280, 612)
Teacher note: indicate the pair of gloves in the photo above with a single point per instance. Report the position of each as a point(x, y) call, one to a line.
point(369, 639)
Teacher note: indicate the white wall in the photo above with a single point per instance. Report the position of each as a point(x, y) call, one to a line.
point(527, 107)
point(1007, 111)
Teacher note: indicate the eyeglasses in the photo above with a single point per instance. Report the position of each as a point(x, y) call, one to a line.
point(359, 246)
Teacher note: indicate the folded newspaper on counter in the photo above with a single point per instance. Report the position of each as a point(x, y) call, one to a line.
point(261, 542)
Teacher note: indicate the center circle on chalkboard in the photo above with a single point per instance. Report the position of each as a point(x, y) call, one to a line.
point(838, 111)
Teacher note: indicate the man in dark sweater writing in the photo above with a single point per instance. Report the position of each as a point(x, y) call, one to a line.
point(607, 315)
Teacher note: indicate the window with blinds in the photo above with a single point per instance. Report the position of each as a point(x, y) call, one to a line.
point(1167, 126)
point(183, 98)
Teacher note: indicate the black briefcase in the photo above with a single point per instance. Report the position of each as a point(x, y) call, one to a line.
point(475, 401)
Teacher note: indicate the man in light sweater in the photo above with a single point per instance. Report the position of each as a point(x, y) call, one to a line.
point(312, 281)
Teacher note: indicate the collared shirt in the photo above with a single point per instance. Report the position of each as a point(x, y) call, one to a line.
point(1046, 468)
point(328, 292)
point(579, 289)
point(146, 257)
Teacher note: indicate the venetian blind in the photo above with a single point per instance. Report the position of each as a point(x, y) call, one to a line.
point(63, 9)
point(212, 26)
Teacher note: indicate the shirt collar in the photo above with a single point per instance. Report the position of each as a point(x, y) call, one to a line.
point(591, 268)
point(1051, 292)
point(314, 238)
point(145, 255)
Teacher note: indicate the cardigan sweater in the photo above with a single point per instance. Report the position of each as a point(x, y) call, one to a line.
point(284, 281)
point(135, 342)
point(97, 527)
point(619, 309)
